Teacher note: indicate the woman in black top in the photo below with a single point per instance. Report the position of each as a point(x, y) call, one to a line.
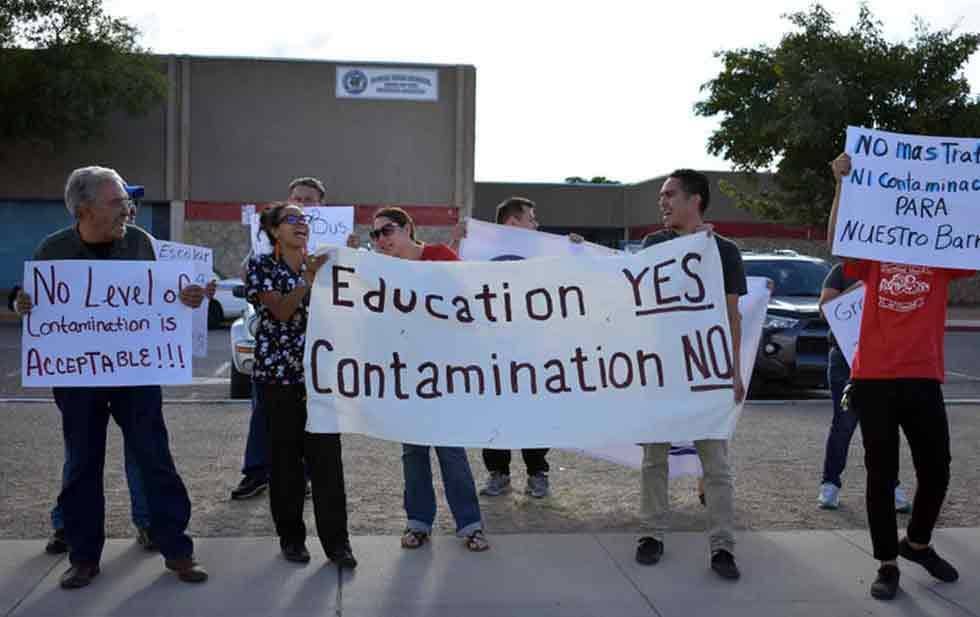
point(279, 286)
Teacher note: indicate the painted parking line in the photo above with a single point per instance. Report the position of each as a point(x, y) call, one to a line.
point(222, 370)
point(962, 375)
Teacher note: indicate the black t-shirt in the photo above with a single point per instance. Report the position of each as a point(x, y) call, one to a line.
point(102, 250)
point(836, 280)
point(731, 259)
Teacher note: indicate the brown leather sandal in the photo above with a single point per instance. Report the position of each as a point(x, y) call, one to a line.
point(412, 538)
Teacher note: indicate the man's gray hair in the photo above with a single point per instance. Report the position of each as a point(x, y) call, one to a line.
point(84, 183)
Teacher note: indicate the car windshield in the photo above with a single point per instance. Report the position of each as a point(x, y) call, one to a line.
point(792, 278)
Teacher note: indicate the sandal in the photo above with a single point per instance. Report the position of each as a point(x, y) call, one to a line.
point(414, 539)
point(477, 542)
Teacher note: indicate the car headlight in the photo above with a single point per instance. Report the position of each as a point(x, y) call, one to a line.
point(252, 325)
point(776, 322)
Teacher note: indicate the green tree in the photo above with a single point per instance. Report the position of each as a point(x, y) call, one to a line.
point(787, 106)
point(65, 65)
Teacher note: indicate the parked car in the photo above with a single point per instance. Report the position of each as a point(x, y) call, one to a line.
point(242, 337)
point(793, 348)
point(225, 305)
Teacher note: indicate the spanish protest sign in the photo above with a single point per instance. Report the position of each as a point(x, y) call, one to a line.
point(561, 352)
point(843, 315)
point(202, 260)
point(911, 199)
point(329, 226)
point(106, 323)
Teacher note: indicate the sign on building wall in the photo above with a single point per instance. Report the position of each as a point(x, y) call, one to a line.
point(387, 83)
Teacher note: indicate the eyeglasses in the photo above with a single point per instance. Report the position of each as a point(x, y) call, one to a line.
point(296, 219)
point(385, 231)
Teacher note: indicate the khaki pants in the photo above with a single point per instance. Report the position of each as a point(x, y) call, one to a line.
point(719, 491)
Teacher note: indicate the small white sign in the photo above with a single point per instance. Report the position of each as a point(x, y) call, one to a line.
point(329, 226)
point(248, 211)
point(389, 83)
point(106, 323)
point(910, 199)
point(843, 314)
point(203, 263)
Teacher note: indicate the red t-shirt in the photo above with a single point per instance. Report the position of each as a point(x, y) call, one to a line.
point(438, 252)
point(903, 321)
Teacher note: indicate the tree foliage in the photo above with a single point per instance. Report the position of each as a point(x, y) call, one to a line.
point(787, 106)
point(594, 180)
point(65, 65)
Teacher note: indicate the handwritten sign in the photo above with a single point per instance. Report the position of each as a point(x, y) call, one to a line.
point(558, 352)
point(106, 323)
point(843, 315)
point(911, 199)
point(202, 260)
point(330, 226)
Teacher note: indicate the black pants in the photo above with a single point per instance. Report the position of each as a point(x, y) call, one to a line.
point(499, 460)
point(289, 443)
point(915, 405)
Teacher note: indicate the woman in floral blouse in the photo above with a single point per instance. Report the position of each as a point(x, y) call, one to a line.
point(279, 286)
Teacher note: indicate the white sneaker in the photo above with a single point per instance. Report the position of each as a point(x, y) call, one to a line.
point(829, 497)
point(902, 503)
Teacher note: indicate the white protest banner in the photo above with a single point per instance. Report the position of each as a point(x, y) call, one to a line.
point(567, 353)
point(843, 315)
point(202, 260)
point(683, 458)
point(106, 323)
point(491, 242)
point(329, 226)
point(911, 199)
point(378, 82)
point(248, 211)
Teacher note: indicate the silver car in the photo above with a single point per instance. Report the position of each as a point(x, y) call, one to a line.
point(243, 348)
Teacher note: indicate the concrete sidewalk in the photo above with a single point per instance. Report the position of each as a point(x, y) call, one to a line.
point(819, 573)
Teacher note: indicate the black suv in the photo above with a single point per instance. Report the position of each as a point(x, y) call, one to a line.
point(793, 347)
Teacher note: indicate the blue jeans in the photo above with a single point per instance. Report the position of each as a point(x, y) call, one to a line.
point(257, 443)
point(420, 497)
point(138, 412)
point(137, 496)
point(844, 422)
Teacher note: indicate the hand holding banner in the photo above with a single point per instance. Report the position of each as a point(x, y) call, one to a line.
point(106, 323)
point(910, 199)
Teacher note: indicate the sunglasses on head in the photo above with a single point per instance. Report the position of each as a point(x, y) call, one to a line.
point(295, 219)
point(385, 231)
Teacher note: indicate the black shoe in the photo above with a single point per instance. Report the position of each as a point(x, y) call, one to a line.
point(79, 575)
point(309, 490)
point(56, 543)
point(702, 499)
point(886, 583)
point(296, 552)
point(649, 551)
point(930, 560)
point(343, 556)
point(144, 539)
point(249, 487)
point(723, 563)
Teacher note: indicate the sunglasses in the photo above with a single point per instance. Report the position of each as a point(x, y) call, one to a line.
point(296, 219)
point(385, 231)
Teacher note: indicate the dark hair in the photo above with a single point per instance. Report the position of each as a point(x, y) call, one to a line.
point(694, 183)
point(310, 182)
point(399, 216)
point(513, 206)
point(270, 217)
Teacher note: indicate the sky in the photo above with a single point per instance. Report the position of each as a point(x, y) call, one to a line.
point(563, 88)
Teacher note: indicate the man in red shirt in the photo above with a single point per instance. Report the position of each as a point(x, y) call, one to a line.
point(897, 376)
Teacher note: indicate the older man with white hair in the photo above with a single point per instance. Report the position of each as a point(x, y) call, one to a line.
point(96, 198)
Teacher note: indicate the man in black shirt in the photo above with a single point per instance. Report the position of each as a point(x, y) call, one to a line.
point(684, 197)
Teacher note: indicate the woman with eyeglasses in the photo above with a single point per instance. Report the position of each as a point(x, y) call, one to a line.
point(279, 286)
point(394, 235)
